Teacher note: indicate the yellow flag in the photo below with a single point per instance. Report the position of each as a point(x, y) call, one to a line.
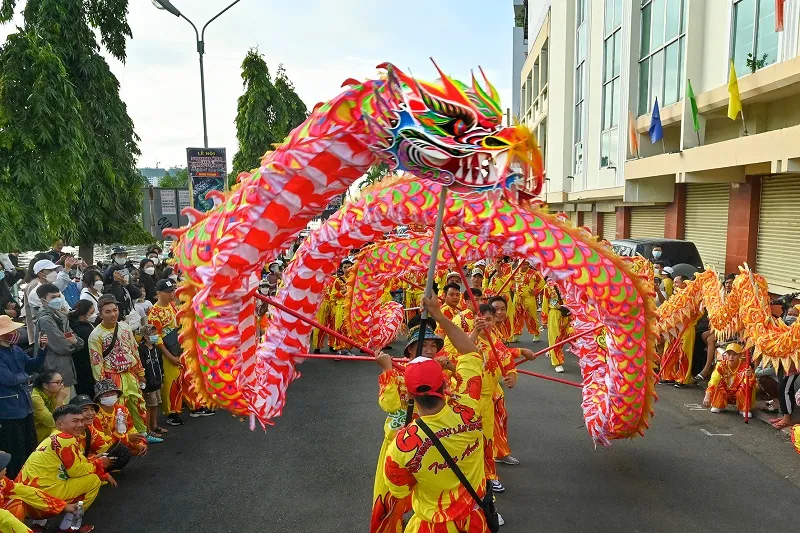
point(734, 101)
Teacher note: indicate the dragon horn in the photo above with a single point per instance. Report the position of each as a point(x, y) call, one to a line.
point(449, 86)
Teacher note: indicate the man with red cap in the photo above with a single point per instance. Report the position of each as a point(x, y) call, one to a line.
point(414, 466)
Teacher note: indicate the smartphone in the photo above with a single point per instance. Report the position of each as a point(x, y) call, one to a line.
point(69, 335)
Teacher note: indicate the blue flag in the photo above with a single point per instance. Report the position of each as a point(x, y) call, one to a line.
point(656, 134)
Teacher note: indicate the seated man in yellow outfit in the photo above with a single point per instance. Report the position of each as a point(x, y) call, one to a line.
point(415, 466)
point(17, 501)
point(59, 468)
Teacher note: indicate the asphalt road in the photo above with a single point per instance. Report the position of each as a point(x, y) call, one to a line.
point(313, 471)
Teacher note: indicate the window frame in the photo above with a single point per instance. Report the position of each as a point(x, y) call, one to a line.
point(579, 118)
point(662, 48)
point(754, 49)
point(606, 131)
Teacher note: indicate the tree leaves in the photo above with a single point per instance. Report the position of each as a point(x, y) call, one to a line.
point(179, 180)
point(266, 112)
point(67, 144)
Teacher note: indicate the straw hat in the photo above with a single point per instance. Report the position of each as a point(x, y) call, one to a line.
point(7, 325)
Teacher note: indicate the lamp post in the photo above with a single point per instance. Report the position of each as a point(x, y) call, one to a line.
point(201, 48)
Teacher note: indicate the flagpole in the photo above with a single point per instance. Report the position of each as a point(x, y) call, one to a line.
point(744, 122)
point(663, 146)
point(697, 132)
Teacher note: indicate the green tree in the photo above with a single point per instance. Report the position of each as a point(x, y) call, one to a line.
point(374, 174)
point(266, 112)
point(67, 144)
point(179, 180)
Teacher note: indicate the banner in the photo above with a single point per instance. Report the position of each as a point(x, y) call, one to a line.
point(208, 170)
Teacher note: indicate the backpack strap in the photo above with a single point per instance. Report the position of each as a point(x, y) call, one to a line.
point(449, 460)
point(113, 342)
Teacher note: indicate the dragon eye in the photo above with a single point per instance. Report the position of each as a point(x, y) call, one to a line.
point(459, 127)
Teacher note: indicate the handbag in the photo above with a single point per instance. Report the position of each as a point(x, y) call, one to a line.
point(487, 503)
point(172, 344)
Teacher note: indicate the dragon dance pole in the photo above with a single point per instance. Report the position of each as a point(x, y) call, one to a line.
point(560, 344)
point(471, 296)
point(549, 378)
point(418, 286)
point(343, 358)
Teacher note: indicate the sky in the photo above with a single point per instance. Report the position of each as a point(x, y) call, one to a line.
point(320, 43)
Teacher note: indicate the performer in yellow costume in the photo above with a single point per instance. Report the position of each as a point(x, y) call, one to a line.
point(730, 382)
point(163, 317)
point(528, 284)
point(18, 501)
point(393, 398)
point(114, 354)
point(452, 300)
point(413, 467)
point(338, 301)
point(324, 317)
point(59, 468)
point(557, 323)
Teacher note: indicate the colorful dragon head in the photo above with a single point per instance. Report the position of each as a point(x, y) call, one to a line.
point(449, 132)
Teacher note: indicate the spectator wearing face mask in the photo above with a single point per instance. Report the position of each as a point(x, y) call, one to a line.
point(8, 276)
point(43, 271)
point(92, 289)
point(658, 255)
point(147, 277)
point(154, 254)
point(62, 341)
point(117, 280)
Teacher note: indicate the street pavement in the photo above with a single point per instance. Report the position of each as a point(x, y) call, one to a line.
point(313, 471)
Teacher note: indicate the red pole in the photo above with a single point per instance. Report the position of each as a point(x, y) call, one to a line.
point(747, 391)
point(471, 296)
point(343, 357)
point(513, 272)
point(550, 378)
point(559, 344)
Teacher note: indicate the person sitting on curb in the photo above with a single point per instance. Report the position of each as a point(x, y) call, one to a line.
point(94, 443)
point(59, 468)
point(114, 419)
point(730, 382)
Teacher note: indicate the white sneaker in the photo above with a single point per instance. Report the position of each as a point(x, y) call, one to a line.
point(716, 410)
point(560, 369)
point(749, 415)
point(500, 519)
point(507, 460)
point(536, 338)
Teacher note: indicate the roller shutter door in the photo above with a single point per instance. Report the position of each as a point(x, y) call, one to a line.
point(609, 226)
point(573, 217)
point(648, 222)
point(777, 256)
point(707, 221)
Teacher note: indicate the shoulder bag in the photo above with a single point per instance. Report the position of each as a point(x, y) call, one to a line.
point(487, 503)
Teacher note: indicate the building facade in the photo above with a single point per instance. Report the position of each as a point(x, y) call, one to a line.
point(731, 187)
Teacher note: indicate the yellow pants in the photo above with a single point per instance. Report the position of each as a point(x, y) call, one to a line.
point(172, 389)
point(71, 490)
point(10, 524)
point(555, 333)
point(132, 397)
point(500, 437)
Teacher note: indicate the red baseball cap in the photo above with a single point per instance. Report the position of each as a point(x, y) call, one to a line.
point(424, 373)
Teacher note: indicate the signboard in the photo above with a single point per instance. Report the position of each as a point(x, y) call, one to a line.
point(208, 171)
point(161, 211)
point(168, 204)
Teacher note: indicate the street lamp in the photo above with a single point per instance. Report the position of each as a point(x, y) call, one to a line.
point(166, 5)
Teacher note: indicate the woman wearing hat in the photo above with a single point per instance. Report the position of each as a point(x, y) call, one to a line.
point(393, 398)
point(17, 428)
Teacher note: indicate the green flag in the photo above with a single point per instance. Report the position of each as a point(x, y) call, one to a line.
point(693, 103)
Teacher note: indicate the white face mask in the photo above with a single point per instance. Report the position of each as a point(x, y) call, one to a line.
point(51, 277)
point(120, 260)
point(126, 279)
point(656, 254)
point(173, 277)
point(108, 401)
point(154, 259)
point(56, 303)
point(150, 271)
point(98, 285)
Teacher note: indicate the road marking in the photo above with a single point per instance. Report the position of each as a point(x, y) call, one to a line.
point(695, 407)
point(716, 434)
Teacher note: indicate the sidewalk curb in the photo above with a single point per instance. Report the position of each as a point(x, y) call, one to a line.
point(765, 416)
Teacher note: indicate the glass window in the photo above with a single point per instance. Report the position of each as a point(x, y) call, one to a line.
point(661, 64)
point(766, 36)
point(754, 35)
point(609, 17)
point(617, 13)
point(644, 81)
point(612, 62)
point(608, 147)
point(581, 43)
point(579, 84)
point(617, 53)
point(615, 100)
point(645, 44)
point(673, 24)
point(578, 131)
point(657, 25)
point(671, 70)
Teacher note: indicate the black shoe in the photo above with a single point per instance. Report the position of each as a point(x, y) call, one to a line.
point(203, 411)
point(174, 420)
point(316, 350)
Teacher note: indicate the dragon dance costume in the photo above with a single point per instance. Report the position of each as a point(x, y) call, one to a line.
point(338, 298)
point(729, 385)
point(19, 501)
point(163, 318)
point(528, 285)
point(676, 364)
point(557, 324)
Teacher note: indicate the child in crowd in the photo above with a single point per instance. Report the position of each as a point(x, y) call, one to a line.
point(730, 382)
point(154, 378)
point(142, 305)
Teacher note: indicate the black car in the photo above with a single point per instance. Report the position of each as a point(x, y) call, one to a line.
point(674, 251)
